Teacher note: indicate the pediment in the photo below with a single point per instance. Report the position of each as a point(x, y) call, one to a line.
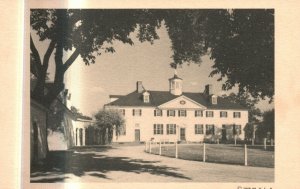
point(181, 102)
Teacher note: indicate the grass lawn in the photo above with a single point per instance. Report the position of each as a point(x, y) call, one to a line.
point(220, 153)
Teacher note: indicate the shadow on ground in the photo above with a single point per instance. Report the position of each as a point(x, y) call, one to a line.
point(81, 161)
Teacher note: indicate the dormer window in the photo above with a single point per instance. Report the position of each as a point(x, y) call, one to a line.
point(146, 97)
point(214, 99)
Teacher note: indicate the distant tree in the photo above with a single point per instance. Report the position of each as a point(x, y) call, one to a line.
point(79, 114)
point(241, 42)
point(248, 102)
point(267, 127)
point(108, 121)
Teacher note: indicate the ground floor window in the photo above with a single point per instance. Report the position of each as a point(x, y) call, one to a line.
point(210, 130)
point(123, 130)
point(171, 129)
point(237, 129)
point(158, 129)
point(198, 129)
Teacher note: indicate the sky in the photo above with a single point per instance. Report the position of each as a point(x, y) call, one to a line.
point(117, 73)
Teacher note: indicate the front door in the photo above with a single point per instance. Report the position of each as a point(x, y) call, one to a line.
point(137, 135)
point(182, 134)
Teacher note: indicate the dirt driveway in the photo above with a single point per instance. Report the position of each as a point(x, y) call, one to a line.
point(132, 164)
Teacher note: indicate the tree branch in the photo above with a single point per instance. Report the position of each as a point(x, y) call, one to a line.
point(48, 54)
point(71, 59)
point(35, 54)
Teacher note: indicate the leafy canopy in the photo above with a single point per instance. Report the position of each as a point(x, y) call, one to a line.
point(241, 42)
point(109, 119)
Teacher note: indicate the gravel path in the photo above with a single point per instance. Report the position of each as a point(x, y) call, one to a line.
point(132, 164)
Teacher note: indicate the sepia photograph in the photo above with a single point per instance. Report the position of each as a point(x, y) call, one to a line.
point(151, 95)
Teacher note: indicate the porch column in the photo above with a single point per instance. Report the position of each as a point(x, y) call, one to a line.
point(178, 132)
point(76, 137)
point(83, 137)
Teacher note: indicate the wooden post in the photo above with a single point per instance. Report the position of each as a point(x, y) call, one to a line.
point(150, 142)
point(235, 139)
point(204, 152)
point(145, 146)
point(246, 156)
point(176, 149)
point(265, 143)
point(160, 148)
point(253, 136)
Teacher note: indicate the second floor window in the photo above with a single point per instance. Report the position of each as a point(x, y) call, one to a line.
point(199, 129)
point(236, 114)
point(198, 113)
point(122, 111)
point(171, 129)
point(209, 114)
point(223, 114)
point(171, 113)
point(158, 129)
point(157, 112)
point(137, 112)
point(182, 113)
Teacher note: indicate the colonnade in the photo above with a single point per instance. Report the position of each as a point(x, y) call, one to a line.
point(80, 134)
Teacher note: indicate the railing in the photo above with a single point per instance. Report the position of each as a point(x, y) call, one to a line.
point(247, 155)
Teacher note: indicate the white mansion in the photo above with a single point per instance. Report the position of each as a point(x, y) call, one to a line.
point(177, 116)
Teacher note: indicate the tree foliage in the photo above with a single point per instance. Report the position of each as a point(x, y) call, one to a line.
point(242, 47)
point(84, 33)
point(79, 114)
point(248, 102)
point(241, 42)
point(267, 128)
point(108, 121)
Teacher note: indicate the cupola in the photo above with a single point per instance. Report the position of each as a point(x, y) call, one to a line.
point(175, 84)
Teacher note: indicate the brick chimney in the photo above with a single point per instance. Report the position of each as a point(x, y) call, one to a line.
point(139, 87)
point(208, 90)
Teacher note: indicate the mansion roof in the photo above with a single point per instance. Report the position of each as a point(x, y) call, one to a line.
point(158, 98)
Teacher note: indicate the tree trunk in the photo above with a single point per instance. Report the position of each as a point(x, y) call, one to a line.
point(38, 92)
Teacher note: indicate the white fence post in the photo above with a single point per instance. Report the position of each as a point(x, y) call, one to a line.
point(150, 146)
point(176, 149)
point(265, 143)
point(246, 156)
point(160, 148)
point(204, 152)
point(235, 139)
